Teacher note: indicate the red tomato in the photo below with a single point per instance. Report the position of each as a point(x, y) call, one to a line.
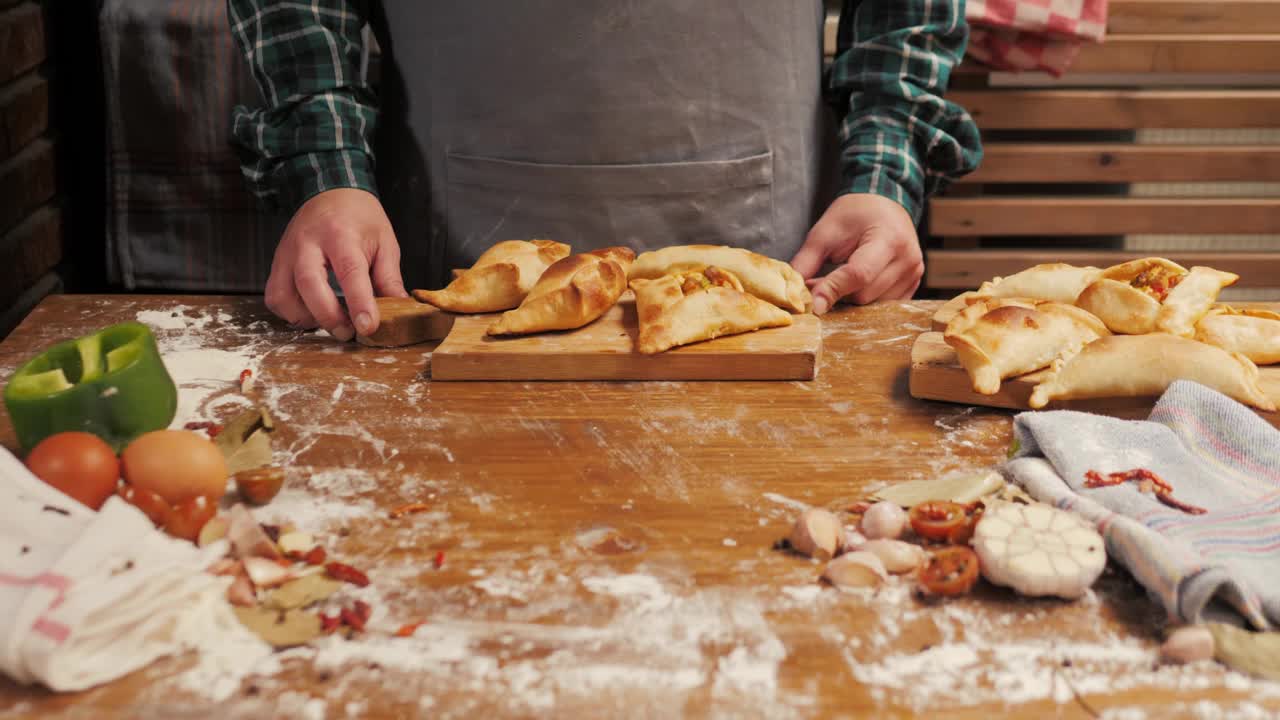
point(80, 464)
point(950, 571)
point(937, 519)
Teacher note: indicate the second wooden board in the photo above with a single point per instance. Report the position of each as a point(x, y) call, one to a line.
point(605, 350)
point(936, 374)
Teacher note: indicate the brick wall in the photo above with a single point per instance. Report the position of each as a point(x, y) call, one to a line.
point(30, 217)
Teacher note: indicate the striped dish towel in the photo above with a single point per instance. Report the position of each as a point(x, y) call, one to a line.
point(1216, 454)
point(1046, 35)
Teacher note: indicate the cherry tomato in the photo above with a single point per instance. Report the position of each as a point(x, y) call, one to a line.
point(151, 504)
point(186, 519)
point(80, 464)
point(950, 571)
point(937, 519)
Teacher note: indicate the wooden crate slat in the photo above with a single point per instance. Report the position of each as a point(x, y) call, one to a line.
point(967, 269)
point(1118, 163)
point(1192, 16)
point(1199, 53)
point(1120, 109)
point(1083, 216)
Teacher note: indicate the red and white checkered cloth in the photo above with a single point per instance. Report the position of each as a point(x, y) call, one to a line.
point(1045, 35)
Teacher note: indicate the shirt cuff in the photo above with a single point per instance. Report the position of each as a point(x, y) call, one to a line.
point(884, 163)
point(302, 177)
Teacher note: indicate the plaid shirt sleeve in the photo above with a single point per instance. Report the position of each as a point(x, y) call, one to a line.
point(900, 138)
point(315, 131)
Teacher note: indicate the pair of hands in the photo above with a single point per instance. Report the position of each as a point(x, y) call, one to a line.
point(871, 238)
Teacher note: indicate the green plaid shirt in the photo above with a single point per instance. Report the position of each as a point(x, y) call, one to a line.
point(899, 137)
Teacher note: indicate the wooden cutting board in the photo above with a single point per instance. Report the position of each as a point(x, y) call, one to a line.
point(936, 374)
point(605, 350)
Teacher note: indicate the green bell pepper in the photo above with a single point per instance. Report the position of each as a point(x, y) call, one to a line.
point(111, 383)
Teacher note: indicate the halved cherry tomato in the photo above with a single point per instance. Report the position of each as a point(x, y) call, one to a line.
point(963, 534)
point(937, 519)
point(950, 571)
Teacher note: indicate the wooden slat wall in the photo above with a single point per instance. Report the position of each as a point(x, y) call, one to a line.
point(1009, 196)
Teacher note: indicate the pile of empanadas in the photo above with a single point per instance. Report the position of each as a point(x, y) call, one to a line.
point(1124, 331)
point(684, 294)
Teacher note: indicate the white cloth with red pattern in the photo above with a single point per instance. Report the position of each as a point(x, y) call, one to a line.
point(1043, 35)
point(86, 597)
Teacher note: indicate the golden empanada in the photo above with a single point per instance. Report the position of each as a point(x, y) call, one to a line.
point(1144, 366)
point(688, 307)
point(1127, 297)
point(1058, 282)
point(1004, 338)
point(1252, 333)
point(761, 276)
point(500, 278)
point(1190, 299)
point(571, 293)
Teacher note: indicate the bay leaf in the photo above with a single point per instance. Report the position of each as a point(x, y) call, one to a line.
point(302, 592)
point(280, 629)
point(961, 489)
point(239, 429)
point(1255, 653)
point(254, 452)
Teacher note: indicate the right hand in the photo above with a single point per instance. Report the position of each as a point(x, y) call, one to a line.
point(345, 230)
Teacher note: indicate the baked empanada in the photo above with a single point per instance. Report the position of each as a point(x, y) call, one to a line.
point(688, 307)
point(1127, 297)
point(1190, 299)
point(500, 278)
point(1004, 338)
point(571, 293)
point(1144, 366)
point(761, 276)
point(1058, 282)
point(1252, 333)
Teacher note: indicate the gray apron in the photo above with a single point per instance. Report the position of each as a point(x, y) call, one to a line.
point(644, 123)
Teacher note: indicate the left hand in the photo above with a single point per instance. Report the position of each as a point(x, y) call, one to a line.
point(874, 240)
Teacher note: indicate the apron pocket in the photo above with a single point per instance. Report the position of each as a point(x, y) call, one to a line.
point(643, 206)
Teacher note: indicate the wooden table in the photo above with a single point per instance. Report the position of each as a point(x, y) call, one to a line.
point(608, 546)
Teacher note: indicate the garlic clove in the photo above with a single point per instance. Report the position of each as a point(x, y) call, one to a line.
point(213, 531)
point(247, 537)
point(266, 573)
point(884, 520)
point(1038, 549)
point(241, 592)
point(1187, 644)
point(850, 540)
point(859, 569)
point(896, 556)
point(816, 533)
point(296, 542)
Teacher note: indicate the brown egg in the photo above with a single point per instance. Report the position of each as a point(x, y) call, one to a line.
point(177, 465)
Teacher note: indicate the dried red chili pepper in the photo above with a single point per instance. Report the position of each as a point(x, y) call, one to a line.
point(346, 573)
point(409, 509)
point(245, 375)
point(409, 629)
point(363, 609)
point(211, 428)
point(329, 624)
point(1147, 481)
point(439, 560)
point(859, 507)
point(352, 619)
point(315, 556)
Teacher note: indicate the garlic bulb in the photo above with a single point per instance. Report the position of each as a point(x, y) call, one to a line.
point(1038, 549)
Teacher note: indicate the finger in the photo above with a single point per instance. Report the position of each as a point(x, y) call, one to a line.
point(352, 270)
point(282, 297)
point(864, 266)
point(819, 246)
point(387, 280)
point(894, 275)
point(312, 279)
point(904, 290)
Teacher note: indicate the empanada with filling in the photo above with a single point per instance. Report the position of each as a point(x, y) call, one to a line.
point(1058, 282)
point(1190, 299)
point(571, 293)
point(1127, 297)
point(1144, 366)
point(696, 305)
point(761, 276)
point(1252, 333)
point(499, 280)
point(1005, 338)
